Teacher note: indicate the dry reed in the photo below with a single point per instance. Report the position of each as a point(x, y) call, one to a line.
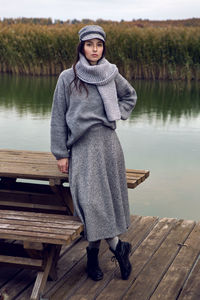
point(145, 53)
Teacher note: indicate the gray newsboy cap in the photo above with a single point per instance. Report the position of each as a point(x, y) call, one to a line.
point(92, 32)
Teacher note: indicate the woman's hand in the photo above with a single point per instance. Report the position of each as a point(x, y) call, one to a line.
point(63, 164)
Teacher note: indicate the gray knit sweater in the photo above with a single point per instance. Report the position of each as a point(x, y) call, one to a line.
point(73, 113)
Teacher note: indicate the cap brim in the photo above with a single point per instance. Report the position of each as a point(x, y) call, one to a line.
point(93, 36)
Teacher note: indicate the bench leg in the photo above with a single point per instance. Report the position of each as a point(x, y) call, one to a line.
point(53, 271)
point(64, 195)
point(41, 278)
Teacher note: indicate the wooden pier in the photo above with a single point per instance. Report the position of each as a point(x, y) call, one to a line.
point(165, 260)
point(37, 222)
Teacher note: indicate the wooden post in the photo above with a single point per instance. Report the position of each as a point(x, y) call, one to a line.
point(42, 276)
point(64, 194)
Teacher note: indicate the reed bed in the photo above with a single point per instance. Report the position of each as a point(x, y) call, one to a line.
point(140, 53)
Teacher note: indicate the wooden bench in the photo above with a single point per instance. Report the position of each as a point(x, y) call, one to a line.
point(42, 236)
point(43, 166)
point(135, 177)
point(54, 195)
point(37, 217)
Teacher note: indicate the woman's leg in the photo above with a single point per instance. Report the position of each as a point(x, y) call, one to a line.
point(93, 269)
point(112, 242)
point(95, 244)
point(121, 251)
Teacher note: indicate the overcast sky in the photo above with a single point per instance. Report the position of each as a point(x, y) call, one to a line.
point(104, 9)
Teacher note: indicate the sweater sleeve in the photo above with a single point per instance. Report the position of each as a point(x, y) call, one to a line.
point(59, 129)
point(126, 95)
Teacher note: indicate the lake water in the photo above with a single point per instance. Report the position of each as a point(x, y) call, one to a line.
point(162, 135)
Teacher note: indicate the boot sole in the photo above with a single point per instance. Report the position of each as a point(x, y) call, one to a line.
point(95, 279)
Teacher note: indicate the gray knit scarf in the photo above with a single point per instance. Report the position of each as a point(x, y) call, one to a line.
point(102, 75)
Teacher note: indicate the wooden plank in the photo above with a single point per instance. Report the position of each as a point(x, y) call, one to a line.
point(133, 181)
point(142, 254)
point(138, 180)
point(27, 163)
point(31, 160)
point(30, 171)
point(160, 262)
point(31, 235)
point(72, 283)
point(22, 154)
point(36, 219)
point(172, 282)
point(69, 230)
point(30, 163)
point(48, 225)
point(44, 223)
point(37, 237)
point(51, 217)
point(21, 261)
point(38, 229)
point(132, 184)
point(146, 172)
point(135, 176)
point(32, 206)
point(56, 223)
point(191, 289)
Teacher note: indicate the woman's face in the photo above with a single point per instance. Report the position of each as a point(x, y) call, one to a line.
point(93, 50)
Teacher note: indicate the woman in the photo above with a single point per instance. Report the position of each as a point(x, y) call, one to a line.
point(88, 99)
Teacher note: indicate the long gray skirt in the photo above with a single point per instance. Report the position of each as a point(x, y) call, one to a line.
point(97, 178)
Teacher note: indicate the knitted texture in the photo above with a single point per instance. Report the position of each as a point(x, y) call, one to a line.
point(97, 179)
point(102, 75)
point(74, 113)
point(92, 32)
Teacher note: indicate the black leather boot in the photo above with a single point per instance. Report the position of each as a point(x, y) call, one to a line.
point(121, 253)
point(93, 269)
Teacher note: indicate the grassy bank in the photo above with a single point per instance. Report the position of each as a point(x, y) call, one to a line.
point(169, 52)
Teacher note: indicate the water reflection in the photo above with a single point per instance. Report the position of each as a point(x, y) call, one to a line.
point(161, 100)
point(27, 94)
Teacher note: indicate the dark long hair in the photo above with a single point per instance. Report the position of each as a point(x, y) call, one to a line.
point(79, 84)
